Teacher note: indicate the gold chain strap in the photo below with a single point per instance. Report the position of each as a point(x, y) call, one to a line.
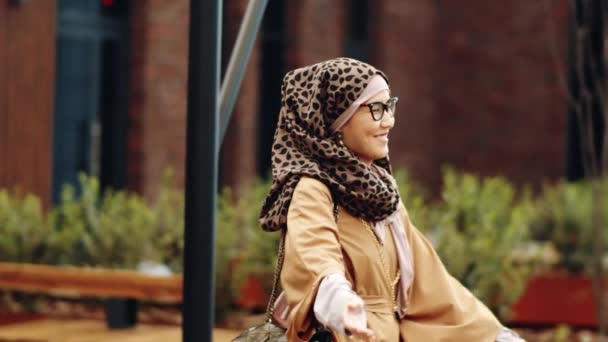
point(277, 274)
point(386, 270)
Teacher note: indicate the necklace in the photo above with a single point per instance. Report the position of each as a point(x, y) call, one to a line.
point(387, 274)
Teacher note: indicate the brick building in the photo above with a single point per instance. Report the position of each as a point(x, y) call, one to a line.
point(478, 82)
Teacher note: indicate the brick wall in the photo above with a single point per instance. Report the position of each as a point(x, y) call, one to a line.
point(500, 109)
point(135, 154)
point(159, 73)
point(315, 31)
point(404, 45)
point(27, 68)
point(159, 67)
point(478, 86)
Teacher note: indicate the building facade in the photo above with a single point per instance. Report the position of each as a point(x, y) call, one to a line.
point(100, 86)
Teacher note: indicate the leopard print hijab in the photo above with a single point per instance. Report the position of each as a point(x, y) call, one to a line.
point(312, 98)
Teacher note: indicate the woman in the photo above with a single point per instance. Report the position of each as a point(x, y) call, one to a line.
point(354, 262)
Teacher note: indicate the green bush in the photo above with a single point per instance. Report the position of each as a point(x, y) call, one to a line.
point(415, 198)
point(254, 251)
point(564, 217)
point(113, 229)
point(168, 230)
point(110, 229)
point(242, 247)
point(24, 229)
point(476, 228)
point(226, 247)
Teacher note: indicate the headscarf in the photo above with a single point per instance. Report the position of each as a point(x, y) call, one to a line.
point(312, 98)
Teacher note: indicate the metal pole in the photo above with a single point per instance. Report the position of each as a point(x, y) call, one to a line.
point(201, 169)
point(238, 60)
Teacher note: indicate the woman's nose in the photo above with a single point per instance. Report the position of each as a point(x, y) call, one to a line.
point(388, 120)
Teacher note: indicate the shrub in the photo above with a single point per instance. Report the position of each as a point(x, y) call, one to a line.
point(113, 229)
point(24, 229)
point(415, 198)
point(168, 230)
point(564, 217)
point(256, 251)
point(477, 227)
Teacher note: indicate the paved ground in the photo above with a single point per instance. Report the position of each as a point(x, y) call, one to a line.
point(85, 330)
point(56, 330)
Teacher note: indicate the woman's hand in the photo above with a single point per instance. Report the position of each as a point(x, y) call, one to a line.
point(355, 320)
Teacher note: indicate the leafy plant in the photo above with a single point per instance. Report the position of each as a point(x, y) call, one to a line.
point(226, 246)
point(23, 227)
point(68, 226)
point(479, 228)
point(168, 230)
point(478, 225)
point(564, 217)
point(415, 198)
point(120, 230)
point(111, 229)
point(256, 250)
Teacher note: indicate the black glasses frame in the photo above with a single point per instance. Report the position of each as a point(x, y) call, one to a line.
point(377, 109)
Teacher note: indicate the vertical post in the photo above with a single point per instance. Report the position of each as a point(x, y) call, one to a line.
point(201, 169)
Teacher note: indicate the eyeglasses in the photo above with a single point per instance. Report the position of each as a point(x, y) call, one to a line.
point(377, 109)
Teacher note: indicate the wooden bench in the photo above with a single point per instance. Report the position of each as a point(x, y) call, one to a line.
point(121, 289)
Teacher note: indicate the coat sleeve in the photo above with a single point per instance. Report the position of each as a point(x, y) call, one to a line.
point(312, 251)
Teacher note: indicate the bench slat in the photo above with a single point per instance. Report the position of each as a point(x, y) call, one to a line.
point(88, 281)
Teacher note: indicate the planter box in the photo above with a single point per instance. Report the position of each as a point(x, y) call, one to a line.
point(252, 294)
point(555, 298)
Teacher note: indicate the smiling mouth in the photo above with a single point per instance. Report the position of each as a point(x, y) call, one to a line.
point(382, 136)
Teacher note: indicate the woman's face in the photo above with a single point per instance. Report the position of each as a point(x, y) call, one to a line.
point(366, 138)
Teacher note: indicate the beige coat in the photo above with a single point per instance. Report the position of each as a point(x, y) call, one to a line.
point(440, 308)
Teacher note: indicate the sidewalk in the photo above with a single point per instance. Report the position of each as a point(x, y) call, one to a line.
point(57, 330)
